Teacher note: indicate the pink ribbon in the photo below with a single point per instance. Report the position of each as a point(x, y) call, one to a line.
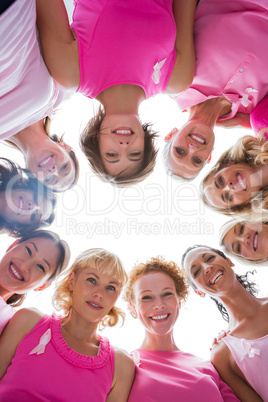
point(252, 352)
point(40, 348)
point(244, 100)
point(157, 71)
point(136, 358)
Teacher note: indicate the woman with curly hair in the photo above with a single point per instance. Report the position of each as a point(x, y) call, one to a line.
point(25, 204)
point(241, 356)
point(27, 265)
point(28, 96)
point(120, 55)
point(238, 182)
point(246, 238)
point(64, 358)
point(154, 292)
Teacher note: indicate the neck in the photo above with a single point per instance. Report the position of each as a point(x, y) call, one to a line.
point(159, 342)
point(30, 135)
point(5, 294)
point(263, 170)
point(240, 305)
point(79, 329)
point(121, 99)
point(210, 110)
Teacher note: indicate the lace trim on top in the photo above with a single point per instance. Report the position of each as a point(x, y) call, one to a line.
point(91, 362)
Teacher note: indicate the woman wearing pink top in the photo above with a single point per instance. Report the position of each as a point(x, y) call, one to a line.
point(230, 77)
point(155, 291)
point(58, 358)
point(28, 95)
point(120, 53)
point(26, 265)
point(241, 357)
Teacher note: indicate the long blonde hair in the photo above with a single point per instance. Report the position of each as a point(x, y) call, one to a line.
point(101, 260)
point(252, 151)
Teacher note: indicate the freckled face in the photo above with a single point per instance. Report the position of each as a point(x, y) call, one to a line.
point(156, 303)
point(248, 240)
point(190, 149)
point(231, 186)
point(93, 294)
point(28, 265)
point(208, 271)
point(121, 144)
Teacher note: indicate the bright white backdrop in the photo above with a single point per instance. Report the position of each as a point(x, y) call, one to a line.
point(160, 216)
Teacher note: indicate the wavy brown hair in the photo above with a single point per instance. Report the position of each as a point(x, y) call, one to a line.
point(252, 151)
point(89, 143)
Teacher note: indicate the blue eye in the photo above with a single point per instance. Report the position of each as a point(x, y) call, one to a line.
point(146, 298)
point(168, 294)
point(64, 167)
point(180, 151)
point(111, 287)
point(197, 160)
point(91, 280)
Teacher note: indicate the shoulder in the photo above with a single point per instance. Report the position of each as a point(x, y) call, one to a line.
point(24, 320)
point(123, 360)
point(221, 357)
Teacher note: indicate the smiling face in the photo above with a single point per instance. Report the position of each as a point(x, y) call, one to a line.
point(28, 265)
point(156, 302)
point(121, 144)
point(93, 294)
point(208, 271)
point(25, 207)
point(52, 165)
point(234, 185)
point(248, 240)
point(190, 149)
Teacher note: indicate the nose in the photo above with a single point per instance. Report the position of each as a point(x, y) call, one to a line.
point(124, 142)
point(231, 184)
point(158, 304)
point(246, 239)
point(98, 293)
point(52, 169)
point(26, 266)
point(207, 270)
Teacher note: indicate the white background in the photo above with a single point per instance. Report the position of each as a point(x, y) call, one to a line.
point(159, 216)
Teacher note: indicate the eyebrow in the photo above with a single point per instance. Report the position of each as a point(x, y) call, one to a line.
point(36, 249)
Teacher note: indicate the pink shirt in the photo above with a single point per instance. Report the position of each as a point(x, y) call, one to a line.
point(231, 54)
point(27, 91)
point(259, 116)
point(251, 356)
point(121, 42)
point(44, 368)
point(6, 312)
point(177, 376)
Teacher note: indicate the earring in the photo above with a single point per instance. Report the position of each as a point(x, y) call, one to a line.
point(12, 245)
point(170, 134)
point(209, 158)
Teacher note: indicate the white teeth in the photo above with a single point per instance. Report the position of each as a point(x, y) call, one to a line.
point(159, 317)
point(95, 305)
point(45, 161)
point(20, 207)
point(215, 278)
point(241, 182)
point(255, 241)
point(122, 132)
point(198, 139)
point(15, 272)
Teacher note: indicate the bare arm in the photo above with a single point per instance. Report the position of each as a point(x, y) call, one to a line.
point(124, 371)
point(224, 363)
point(239, 120)
point(60, 50)
point(19, 325)
point(184, 68)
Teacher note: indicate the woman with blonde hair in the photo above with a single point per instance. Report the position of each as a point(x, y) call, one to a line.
point(246, 238)
point(155, 291)
point(67, 352)
point(238, 182)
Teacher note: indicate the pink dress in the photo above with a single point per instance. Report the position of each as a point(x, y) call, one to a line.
point(251, 356)
point(229, 59)
point(177, 376)
point(27, 91)
point(44, 368)
point(124, 42)
point(6, 312)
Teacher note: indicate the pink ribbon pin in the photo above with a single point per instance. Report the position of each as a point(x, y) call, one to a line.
point(252, 352)
point(244, 100)
point(136, 358)
point(40, 348)
point(157, 71)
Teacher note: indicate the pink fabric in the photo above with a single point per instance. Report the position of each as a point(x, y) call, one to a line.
point(59, 373)
point(27, 91)
point(251, 356)
point(259, 117)
point(229, 59)
point(120, 42)
point(6, 312)
point(177, 376)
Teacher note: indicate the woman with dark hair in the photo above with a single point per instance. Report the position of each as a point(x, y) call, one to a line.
point(238, 182)
point(241, 356)
point(28, 265)
point(25, 204)
point(28, 95)
point(117, 53)
point(230, 78)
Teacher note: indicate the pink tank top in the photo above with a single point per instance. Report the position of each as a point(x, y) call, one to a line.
point(124, 42)
point(45, 368)
point(251, 356)
point(259, 117)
